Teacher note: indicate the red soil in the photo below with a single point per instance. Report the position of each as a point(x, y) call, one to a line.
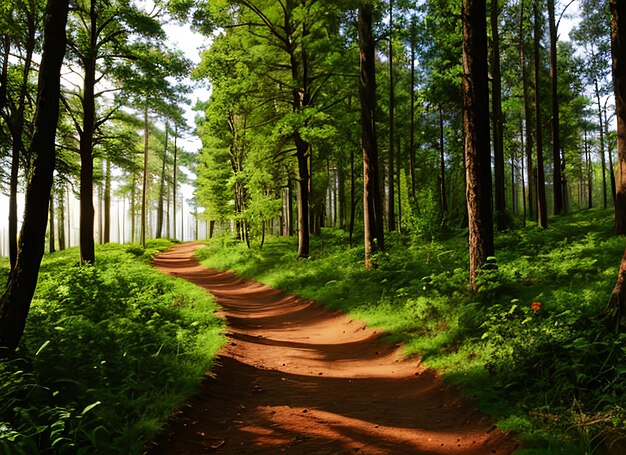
point(297, 378)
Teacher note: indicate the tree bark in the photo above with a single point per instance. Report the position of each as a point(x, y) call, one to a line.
point(302, 194)
point(175, 183)
point(589, 173)
point(609, 153)
point(87, 212)
point(15, 302)
point(496, 106)
point(391, 199)
point(372, 204)
point(530, 193)
point(602, 154)
point(476, 128)
point(61, 199)
point(133, 190)
point(51, 233)
point(557, 184)
point(144, 189)
point(16, 123)
point(618, 48)
point(443, 197)
point(615, 311)
point(159, 229)
point(352, 198)
point(412, 132)
point(542, 210)
point(107, 202)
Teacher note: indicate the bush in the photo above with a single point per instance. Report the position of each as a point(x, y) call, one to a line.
point(109, 352)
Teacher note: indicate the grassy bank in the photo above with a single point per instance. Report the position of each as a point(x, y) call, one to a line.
point(549, 371)
point(108, 353)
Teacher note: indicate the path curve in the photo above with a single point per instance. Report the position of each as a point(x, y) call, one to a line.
point(297, 378)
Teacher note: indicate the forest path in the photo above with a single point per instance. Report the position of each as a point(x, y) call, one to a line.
point(298, 378)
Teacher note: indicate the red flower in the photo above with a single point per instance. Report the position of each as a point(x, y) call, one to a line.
point(536, 306)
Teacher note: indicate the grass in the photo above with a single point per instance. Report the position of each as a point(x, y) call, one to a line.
point(109, 352)
point(555, 376)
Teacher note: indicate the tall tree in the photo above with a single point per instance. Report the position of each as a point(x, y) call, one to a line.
point(616, 309)
point(476, 128)
point(557, 178)
point(618, 48)
point(528, 142)
point(109, 39)
point(496, 107)
point(15, 302)
point(22, 22)
point(372, 203)
point(391, 198)
point(542, 209)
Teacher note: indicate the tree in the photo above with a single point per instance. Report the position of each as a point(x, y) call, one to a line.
point(22, 22)
point(542, 210)
point(372, 203)
point(476, 128)
point(15, 302)
point(391, 199)
point(108, 39)
point(496, 103)
point(618, 47)
point(557, 178)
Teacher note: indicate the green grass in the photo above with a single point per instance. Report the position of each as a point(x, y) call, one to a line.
point(108, 354)
point(555, 376)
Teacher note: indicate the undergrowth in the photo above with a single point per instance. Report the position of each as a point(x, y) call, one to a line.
point(528, 347)
point(108, 353)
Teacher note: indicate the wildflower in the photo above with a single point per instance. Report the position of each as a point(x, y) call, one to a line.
point(536, 306)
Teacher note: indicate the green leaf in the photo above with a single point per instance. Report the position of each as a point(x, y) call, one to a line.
point(90, 407)
point(42, 347)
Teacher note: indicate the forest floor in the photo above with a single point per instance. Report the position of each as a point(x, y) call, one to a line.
point(296, 377)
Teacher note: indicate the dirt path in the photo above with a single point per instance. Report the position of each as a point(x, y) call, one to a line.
point(297, 378)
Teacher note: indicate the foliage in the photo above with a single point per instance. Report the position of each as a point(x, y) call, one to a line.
point(109, 352)
point(526, 347)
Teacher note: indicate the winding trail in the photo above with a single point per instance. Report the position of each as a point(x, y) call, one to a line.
point(297, 378)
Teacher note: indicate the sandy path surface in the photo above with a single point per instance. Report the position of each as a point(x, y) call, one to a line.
point(300, 379)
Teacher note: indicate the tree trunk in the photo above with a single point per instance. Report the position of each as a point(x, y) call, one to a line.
point(15, 302)
point(391, 199)
point(100, 198)
point(352, 197)
point(372, 204)
point(616, 308)
point(589, 172)
point(51, 221)
point(107, 202)
point(542, 210)
point(602, 155)
point(412, 132)
point(476, 128)
point(530, 193)
point(557, 184)
point(399, 184)
point(144, 190)
point(618, 48)
point(174, 184)
point(302, 154)
point(167, 212)
point(443, 197)
point(133, 190)
point(16, 124)
point(610, 155)
point(496, 104)
point(290, 207)
point(87, 212)
point(61, 228)
point(159, 229)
